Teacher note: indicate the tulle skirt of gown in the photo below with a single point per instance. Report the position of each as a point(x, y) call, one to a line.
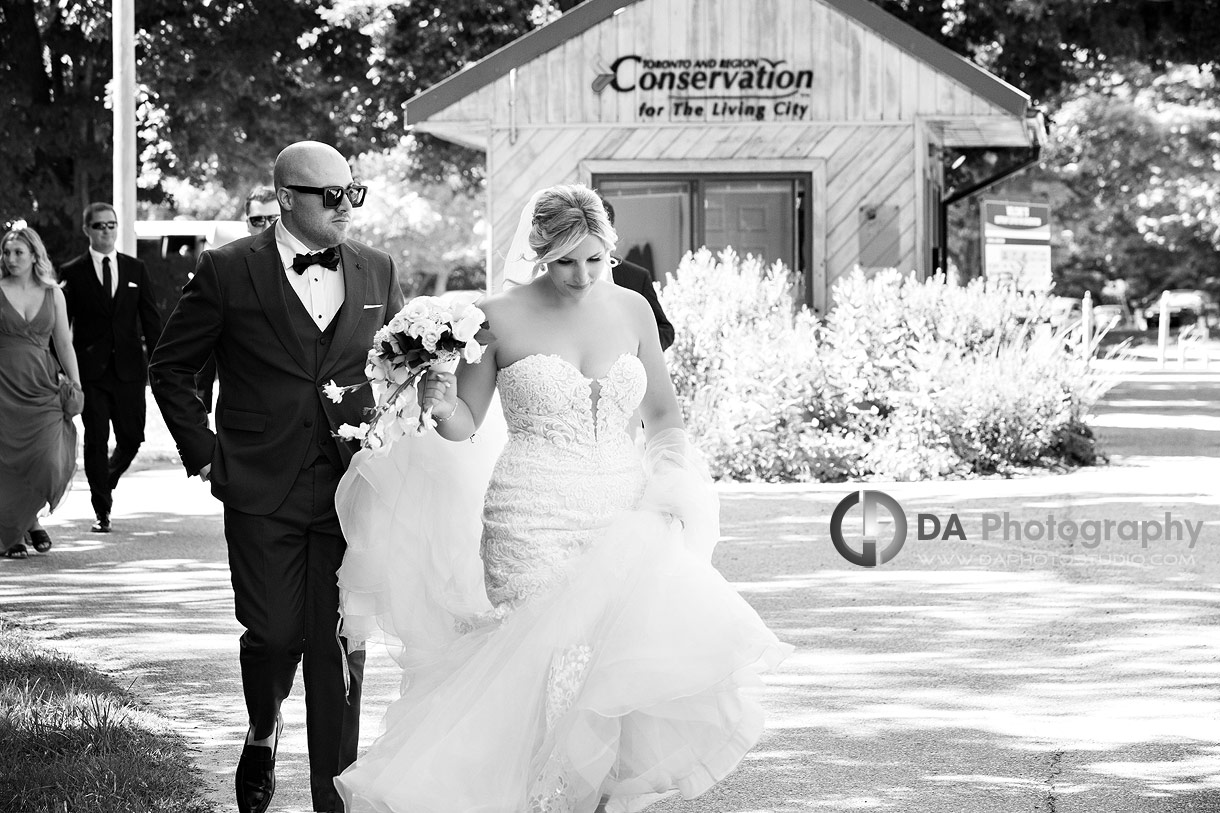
point(609, 663)
point(37, 440)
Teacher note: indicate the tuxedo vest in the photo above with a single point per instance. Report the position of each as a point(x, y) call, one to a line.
point(316, 343)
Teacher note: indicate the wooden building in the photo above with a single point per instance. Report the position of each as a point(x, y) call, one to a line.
point(808, 131)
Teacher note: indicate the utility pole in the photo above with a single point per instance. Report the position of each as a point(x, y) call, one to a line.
point(123, 97)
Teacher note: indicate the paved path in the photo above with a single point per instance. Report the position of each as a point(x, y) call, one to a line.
point(963, 676)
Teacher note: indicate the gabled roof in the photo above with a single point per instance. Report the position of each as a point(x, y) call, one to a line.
point(591, 12)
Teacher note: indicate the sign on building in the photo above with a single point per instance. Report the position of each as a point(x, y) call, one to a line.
point(1017, 244)
point(752, 88)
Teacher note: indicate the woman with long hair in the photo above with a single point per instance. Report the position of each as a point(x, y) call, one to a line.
point(37, 401)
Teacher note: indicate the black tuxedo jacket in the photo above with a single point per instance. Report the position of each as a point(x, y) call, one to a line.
point(637, 278)
point(122, 330)
point(236, 308)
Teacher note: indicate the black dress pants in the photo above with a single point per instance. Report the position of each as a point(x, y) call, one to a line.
point(121, 403)
point(287, 597)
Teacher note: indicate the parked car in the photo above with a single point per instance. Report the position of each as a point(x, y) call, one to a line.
point(1108, 317)
point(170, 249)
point(1186, 307)
point(1064, 310)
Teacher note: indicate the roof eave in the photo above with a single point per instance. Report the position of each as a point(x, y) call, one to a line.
point(471, 134)
point(516, 53)
point(922, 47)
point(475, 76)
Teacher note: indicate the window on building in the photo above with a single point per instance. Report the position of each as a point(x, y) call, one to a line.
point(660, 218)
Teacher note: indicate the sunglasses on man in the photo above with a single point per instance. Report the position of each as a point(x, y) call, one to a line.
point(262, 221)
point(333, 195)
point(104, 224)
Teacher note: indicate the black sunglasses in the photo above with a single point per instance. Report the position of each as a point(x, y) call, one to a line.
point(332, 195)
point(104, 224)
point(260, 221)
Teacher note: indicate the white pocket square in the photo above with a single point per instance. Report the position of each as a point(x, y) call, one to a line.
point(378, 305)
point(132, 285)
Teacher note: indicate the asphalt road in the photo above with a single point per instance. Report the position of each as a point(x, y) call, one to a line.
point(990, 673)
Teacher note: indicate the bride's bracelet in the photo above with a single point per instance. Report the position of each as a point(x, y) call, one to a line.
point(447, 417)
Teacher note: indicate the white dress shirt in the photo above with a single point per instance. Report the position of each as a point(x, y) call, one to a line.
point(319, 289)
point(114, 269)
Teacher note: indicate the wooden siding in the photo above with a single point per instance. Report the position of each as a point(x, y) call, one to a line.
point(872, 110)
point(858, 74)
point(866, 166)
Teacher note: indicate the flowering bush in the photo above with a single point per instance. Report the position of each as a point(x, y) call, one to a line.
point(904, 380)
point(427, 332)
point(746, 368)
point(1023, 404)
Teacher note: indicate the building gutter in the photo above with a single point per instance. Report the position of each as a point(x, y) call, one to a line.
point(1035, 155)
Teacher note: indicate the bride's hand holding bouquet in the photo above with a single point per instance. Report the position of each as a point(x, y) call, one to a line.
point(426, 334)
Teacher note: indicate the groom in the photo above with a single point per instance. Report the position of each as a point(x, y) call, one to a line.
point(283, 312)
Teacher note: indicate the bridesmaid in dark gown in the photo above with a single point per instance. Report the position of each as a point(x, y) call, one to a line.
point(38, 441)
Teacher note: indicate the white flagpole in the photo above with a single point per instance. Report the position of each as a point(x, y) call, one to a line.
point(124, 101)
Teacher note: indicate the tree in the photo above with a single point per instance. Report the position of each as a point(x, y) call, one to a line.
point(422, 42)
point(1129, 89)
point(1045, 47)
point(224, 86)
point(431, 229)
point(53, 70)
point(1135, 158)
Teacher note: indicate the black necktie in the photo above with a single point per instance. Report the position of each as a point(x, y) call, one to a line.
point(327, 259)
point(106, 280)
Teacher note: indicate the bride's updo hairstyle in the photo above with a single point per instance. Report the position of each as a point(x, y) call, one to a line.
point(563, 217)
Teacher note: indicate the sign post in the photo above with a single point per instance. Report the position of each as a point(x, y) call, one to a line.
point(1017, 244)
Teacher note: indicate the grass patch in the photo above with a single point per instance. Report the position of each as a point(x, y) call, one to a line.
point(74, 741)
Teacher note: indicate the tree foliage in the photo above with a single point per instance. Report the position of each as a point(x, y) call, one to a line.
point(431, 229)
point(1045, 47)
point(55, 130)
point(223, 86)
point(422, 42)
point(1129, 88)
point(1135, 161)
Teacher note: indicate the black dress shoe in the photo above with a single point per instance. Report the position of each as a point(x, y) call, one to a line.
point(102, 526)
point(255, 778)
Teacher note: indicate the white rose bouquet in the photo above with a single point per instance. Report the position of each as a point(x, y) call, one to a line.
point(427, 332)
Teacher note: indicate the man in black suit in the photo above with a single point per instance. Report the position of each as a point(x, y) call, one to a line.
point(262, 213)
point(639, 279)
point(283, 312)
point(115, 325)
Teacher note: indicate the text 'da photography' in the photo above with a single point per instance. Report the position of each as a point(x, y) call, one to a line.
point(870, 528)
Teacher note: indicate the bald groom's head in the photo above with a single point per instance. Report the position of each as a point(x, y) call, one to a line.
point(314, 165)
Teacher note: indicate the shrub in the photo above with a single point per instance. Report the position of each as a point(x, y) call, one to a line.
point(1004, 408)
point(747, 372)
point(905, 380)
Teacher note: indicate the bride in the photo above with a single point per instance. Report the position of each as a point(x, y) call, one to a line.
point(575, 650)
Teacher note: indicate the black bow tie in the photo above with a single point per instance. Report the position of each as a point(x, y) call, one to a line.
point(327, 259)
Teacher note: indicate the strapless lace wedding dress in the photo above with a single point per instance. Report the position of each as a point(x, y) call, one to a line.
point(606, 657)
point(569, 466)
